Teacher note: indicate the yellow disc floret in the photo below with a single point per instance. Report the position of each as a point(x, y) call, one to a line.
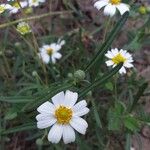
point(63, 115)
point(23, 28)
point(115, 2)
point(2, 9)
point(16, 4)
point(49, 51)
point(118, 59)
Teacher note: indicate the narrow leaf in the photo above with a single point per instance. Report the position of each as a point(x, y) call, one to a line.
point(96, 61)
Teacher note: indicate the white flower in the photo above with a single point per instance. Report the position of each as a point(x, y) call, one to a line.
point(35, 3)
point(132, 148)
point(64, 115)
point(111, 6)
point(4, 7)
point(15, 7)
point(23, 28)
point(51, 52)
point(119, 56)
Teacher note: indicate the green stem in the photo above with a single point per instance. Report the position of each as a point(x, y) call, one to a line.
point(34, 18)
point(100, 80)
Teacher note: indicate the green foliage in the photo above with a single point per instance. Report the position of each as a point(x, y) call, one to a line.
point(115, 104)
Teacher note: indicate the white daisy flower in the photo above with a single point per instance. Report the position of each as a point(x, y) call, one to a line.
point(51, 52)
point(119, 56)
point(35, 3)
point(15, 7)
point(111, 6)
point(4, 7)
point(64, 115)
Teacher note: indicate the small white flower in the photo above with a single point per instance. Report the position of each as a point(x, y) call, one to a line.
point(4, 7)
point(111, 6)
point(64, 115)
point(35, 3)
point(119, 56)
point(51, 52)
point(132, 148)
point(15, 7)
point(23, 28)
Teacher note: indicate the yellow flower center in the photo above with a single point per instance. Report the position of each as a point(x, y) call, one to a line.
point(16, 5)
point(49, 51)
point(34, 1)
point(63, 115)
point(118, 59)
point(2, 9)
point(24, 28)
point(115, 2)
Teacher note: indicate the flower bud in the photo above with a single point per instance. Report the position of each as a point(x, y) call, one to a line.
point(70, 75)
point(39, 142)
point(79, 75)
point(142, 10)
point(34, 74)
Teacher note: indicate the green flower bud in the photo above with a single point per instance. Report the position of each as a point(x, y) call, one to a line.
point(39, 142)
point(142, 10)
point(79, 75)
point(34, 74)
point(70, 75)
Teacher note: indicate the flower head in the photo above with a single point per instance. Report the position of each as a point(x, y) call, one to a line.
point(51, 52)
point(15, 7)
point(111, 6)
point(64, 116)
point(4, 7)
point(23, 28)
point(119, 56)
point(35, 3)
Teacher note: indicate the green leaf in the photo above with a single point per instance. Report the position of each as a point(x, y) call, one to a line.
point(115, 116)
point(11, 114)
point(96, 114)
point(16, 99)
point(128, 142)
point(25, 127)
point(131, 123)
point(109, 86)
point(100, 80)
point(97, 60)
point(138, 95)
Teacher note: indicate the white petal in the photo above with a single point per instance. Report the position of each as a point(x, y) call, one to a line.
point(53, 59)
point(70, 98)
point(57, 55)
point(61, 42)
point(58, 99)
point(47, 108)
point(128, 65)
point(99, 4)
point(45, 58)
point(109, 63)
point(81, 112)
point(79, 124)
point(122, 8)
point(114, 51)
point(55, 46)
point(68, 134)
point(122, 70)
point(44, 116)
point(109, 54)
point(109, 10)
point(46, 123)
point(79, 105)
point(55, 133)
